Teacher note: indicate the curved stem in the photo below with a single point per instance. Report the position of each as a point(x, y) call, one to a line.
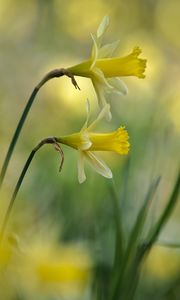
point(52, 74)
point(50, 140)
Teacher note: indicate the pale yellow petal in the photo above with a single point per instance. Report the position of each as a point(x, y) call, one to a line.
point(103, 113)
point(80, 165)
point(99, 76)
point(119, 86)
point(87, 115)
point(108, 50)
point(103, 26)
point(85, 143)
point(94, 53)
point(98, 165)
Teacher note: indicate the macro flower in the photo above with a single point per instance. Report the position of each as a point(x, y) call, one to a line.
point(104, 68)
point(87, 142)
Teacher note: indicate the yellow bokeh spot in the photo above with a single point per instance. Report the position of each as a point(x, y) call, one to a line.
point(64, 94)
point(18, 18)
point(163, 263)
point(168, 20)
point(81, 17)
point(60, 269)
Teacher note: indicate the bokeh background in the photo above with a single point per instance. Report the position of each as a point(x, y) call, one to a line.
point(40, 35)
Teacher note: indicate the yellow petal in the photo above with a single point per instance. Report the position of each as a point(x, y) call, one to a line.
point(81, 172)
point(130, 65)
point(116, 141)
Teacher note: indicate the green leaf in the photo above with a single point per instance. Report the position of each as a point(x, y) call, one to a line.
point(166, 213)
point(129, 266)
point(141, 218)
point(118, 224)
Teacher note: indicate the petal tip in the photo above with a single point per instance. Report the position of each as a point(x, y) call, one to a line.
point(103, 26)
point(81, 180)
point(110, 175)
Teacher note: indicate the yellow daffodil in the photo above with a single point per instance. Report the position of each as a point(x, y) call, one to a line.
point(87, 142)
point(104, 68)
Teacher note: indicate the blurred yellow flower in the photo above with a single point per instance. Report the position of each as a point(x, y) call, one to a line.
point(104, 67)
point(87, 141)
point(40, 267)
point(62, 270)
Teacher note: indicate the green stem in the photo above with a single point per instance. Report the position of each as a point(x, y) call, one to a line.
point(119, 251)
point(52, 74)
point(129, 252)
point(146, 247)
point(166, 213)
point(50, 140)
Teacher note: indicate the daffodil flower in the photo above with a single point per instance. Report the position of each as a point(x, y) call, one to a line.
point(104, 68)
point(87, 142)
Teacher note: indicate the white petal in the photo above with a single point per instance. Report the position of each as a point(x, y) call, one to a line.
point(80, 165)
point(87, 106)
point(103, 26)
point(98, 165)
point(118, 85)
point(99, 92)
point(104, 113)
point(108, 115)
point(85, 141)
point(99, 76)
point(94, 53)
point(108, 50)
point(102, 103)
point(87, 115)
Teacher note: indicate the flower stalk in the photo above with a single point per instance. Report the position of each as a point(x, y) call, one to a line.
point(49, 140)
point(50, 75)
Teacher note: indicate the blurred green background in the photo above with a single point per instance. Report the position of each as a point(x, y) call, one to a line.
point(40, 35)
